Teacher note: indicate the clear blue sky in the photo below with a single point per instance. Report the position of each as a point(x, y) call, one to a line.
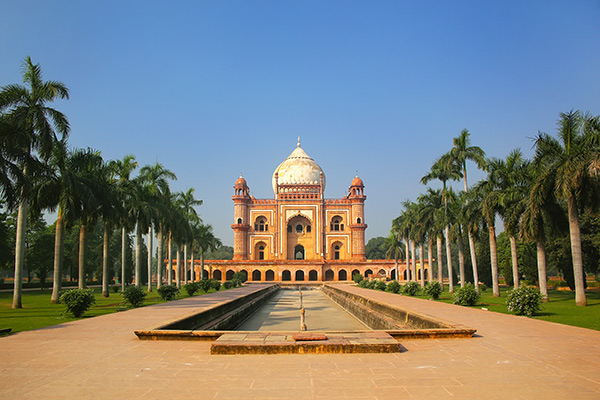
point(212, 89)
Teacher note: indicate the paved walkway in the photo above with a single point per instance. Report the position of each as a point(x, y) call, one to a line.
point(100, 358)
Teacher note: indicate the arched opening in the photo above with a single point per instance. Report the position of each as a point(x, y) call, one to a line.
point(299, 228)
point(342, 275)
point(299, 252)
point(260, 224)
point(244, 275)
point(229, 274)
point(336, 224)
point(217, 274)
point(382, 273)
point(426, 274)
point(239, 220)
point(260, 250)
point(393, 275)
point(358, 221)
point(312, 275)
point(286, 275)
point(256, 275)
point(269, 275)
point(329, 275)
point(299, 275)
point(205, 274)
point(354, 272)
point(368, 273)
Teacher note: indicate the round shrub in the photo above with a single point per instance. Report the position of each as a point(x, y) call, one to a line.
point(524, 301)
point(357, 278)
point(363, 283)
point(370, 283)
point(411, 288)
point(466, 295)
point(228, 284)
point(133, 296)
point(434, 289)
point(380, 285)
point(483, 287)
point(168, 292)
point(393, 287)
point(191, 288)
point(215, 284)
point(78, 301)
point(204, 285)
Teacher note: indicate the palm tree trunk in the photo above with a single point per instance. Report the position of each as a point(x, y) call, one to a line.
point(170, 260)
point(159, 257)
point(105, 251)
point(413, 264)
point(59, 245)
point(514, 260)
point(396, 268)
point(178, 277)
point(185, 264)
point(440, 265)
point(20, 253)
point(461, 260)
point(494, 261)
point(575, 232)
point(150, 260)
point(138, 256)
point(474, 262)
point(82, 275)
point(541, 263)
point(429, 267)
point(422, 269)
point(449, 261)
point(192, 278)
point(123, 233)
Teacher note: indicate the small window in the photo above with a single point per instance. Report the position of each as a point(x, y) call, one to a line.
point(358, 221)
point(299, 228)
point(289, 229)
point(336, 253)
point(239, 221)
point(261, 253)
point(336, 224)
point(308, 229)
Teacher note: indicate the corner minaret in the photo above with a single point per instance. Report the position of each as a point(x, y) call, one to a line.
point(241, 198)
point(357, 224)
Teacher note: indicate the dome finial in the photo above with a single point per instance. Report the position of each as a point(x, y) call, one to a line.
point(298, 140)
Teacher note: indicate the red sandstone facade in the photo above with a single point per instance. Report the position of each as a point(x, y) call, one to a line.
point(299, 235)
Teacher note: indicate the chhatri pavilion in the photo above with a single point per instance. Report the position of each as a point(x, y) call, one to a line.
point(299, 235)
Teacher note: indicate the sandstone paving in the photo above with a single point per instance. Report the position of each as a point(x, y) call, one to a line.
point(100, 358)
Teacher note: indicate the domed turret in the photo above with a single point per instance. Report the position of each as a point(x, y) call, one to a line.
point(298, 169)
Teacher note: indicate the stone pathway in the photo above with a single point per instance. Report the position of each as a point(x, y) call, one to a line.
point(100, 358)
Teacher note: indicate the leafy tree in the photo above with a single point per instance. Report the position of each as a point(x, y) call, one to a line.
point(40, 250)
point(375, 248)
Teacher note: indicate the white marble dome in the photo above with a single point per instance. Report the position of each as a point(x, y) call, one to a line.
point(298, 169)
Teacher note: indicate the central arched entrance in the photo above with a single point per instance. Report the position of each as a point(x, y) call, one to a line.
point(299, 252)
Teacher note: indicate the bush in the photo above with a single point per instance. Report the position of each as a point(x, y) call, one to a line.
point(411, 288)
point(466, 295)
point(524, 301)
point(228, 284)
point(215, 284)
point(483, 287)
point(357, 278)
point(241, 276)
point(78, 301)
point(393, 287)
point(134, 296)
point(168, 292)
point(363, 283)
point(434, 289)
point(380, 285)
point(115, 288)
point(191, 288)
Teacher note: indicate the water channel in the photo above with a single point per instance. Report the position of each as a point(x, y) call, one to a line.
point(282, 313)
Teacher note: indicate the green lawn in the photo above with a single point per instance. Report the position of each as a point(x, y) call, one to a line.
point(38, 311)
point(561, 308)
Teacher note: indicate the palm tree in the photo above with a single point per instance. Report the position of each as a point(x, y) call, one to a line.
point(156, 178)
point(123, 169)
point(206, 241)
point(461, 152)
point(514, 189)
point(444, 170)
point(187, 202)
point(26, 106)
point(472, 218)
point(570, 162)
point(395, 250)
point(433, 218)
